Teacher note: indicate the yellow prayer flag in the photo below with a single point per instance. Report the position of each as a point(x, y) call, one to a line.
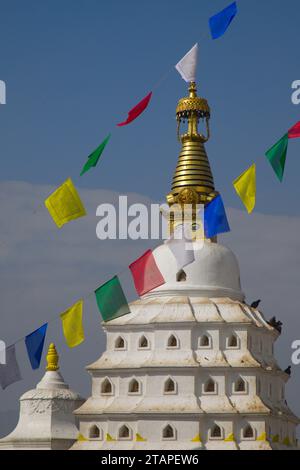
point(64, 204)
point(72, 324)
point(245, 186)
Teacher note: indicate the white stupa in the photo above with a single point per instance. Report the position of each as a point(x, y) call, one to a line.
point(192, 365)
point(46, 420)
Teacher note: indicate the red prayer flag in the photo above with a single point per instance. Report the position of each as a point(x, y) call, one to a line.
point(145, 273)
point(137, 110)
point(294, 131)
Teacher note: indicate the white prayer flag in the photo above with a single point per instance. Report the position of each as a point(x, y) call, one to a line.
point(188, 64)
point(2, 352)
point(10, 372)
point(180, 244)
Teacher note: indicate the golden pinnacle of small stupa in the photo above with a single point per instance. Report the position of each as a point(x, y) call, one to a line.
point(52, 358)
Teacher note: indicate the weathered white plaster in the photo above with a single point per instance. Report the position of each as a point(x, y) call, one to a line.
point(46, 418)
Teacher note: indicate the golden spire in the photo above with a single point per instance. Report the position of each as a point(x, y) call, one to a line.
point(52, 358)
point(192, 181)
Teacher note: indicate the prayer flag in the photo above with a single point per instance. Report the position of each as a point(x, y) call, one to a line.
point(145, 273)
point(277, 156)
point(137, 110)
point(35, 344)
point(245, 186)
point(72, 324)
point(187, 66)
point(64, 204)
point(93, 158)
point(111, 300)
point(220, 22)
point(10, 371)
point(215, 220)
point(294, 131)
point(180, 244)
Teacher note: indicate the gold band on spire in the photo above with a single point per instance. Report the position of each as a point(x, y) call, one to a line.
point(52, 358)
point(193, 180)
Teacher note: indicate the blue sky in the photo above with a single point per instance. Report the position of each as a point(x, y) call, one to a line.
point(74, 68)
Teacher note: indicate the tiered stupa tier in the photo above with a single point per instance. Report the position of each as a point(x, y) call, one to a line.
point(192, 365)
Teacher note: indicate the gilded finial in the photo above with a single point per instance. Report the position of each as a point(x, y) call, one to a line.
point(193, 182)
point(192, 108)
point(52, 358)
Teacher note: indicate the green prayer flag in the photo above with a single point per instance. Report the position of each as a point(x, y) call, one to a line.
point(277, 156)
point(95, 155)
point(111, 300)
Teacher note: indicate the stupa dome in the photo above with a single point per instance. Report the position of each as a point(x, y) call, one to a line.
point(214, 273)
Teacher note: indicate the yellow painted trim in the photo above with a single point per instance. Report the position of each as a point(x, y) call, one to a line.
point(286, 441)
point(229, 438)
point(139, 438)
point(81, 438)
point(275, 438)
point(197, 438)
point(109, 438)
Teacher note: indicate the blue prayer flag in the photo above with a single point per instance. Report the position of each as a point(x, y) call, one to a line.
point(220, 22)
point(215, 220)
point(35, 344)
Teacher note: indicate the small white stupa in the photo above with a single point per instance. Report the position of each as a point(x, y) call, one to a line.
point(46, 419)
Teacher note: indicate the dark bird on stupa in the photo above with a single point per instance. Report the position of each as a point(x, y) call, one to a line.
point(256, 303)
point(277, 324)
